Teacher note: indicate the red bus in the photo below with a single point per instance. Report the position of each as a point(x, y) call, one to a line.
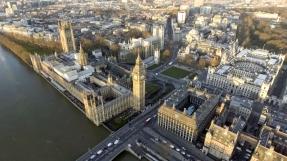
point(148, 120)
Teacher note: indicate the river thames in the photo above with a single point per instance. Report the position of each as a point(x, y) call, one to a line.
point(37, 122)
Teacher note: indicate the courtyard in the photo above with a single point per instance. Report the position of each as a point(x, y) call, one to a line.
point(175, 72)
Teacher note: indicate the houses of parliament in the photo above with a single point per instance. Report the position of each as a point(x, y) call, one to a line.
point(97, 93)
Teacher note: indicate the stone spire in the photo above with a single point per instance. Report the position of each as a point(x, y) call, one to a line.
point(139, 60)
point(82, 60)
point(184, 111)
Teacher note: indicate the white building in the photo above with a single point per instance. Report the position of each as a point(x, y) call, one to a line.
point(263, 15)
point(97, 53)
point(69, 71)
point(181, 17)
point(250, 73)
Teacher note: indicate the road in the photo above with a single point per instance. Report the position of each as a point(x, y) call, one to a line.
point(126, 135)
point(280, 85)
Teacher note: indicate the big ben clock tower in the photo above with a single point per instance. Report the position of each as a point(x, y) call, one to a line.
point(138, 76)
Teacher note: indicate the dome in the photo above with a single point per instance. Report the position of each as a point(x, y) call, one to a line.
point(192, 35)
point(193, 32)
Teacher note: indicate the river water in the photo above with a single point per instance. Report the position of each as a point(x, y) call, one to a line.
point(37, 122)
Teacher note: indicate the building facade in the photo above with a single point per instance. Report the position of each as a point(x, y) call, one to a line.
point(219, 142)
point(67, 36)
point(98, 96)
point(250, 73)
point(189, 122)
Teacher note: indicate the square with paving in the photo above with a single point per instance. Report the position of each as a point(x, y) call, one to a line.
point(175, 72)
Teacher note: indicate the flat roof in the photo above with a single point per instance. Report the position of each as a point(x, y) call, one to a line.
point(243, 53)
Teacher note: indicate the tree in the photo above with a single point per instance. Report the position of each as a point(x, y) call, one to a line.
point(99, 41)
point(201, 62)
point(166, 53)
point(146, 34)
point(133, 33)
point(86, 43)
point(114, 49)
point(214, 62)
point(131, 58)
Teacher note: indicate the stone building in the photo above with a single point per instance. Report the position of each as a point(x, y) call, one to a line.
point(219, 142)
point(101, 98)
point(272, 145)
point(274, 137)
point(250, 73)
point(67, 36)
point(241, 106)
point(187, 112)
point(146, 47)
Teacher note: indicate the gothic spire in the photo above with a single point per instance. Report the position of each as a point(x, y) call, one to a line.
point(139, 60)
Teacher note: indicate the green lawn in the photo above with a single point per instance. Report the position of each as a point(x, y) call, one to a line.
point(175, 72)
point(169, 88)
point(39, 51)
point(151, 88)
point(117, 122)
point(154, 66)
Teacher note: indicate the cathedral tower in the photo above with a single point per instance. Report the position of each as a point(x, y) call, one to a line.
point(138, 76)
point(158, 30)
point(67, 36)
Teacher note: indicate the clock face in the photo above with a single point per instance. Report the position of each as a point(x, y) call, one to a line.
point(142, 77)
point(135, 77)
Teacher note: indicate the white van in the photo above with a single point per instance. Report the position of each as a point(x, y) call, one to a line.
point(99, 152)
point(116, 142)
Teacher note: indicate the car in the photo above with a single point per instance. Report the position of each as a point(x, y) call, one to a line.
point(164, 141)
point(156, 139)
point(177, 149)
point(187, 155)
point(154, 116)
point(182, 148)
point(99, 152)
point(171, 146)
point(182, 152)
point(93, 157)
point(116, 142)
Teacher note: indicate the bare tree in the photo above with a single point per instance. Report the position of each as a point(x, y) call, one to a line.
point(201, 62)
point(214, 62)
